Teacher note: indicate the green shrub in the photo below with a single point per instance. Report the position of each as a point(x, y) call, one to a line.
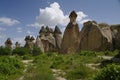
point(3, 77)
point(110, 72)
point(10, 66)
point(40, 70)
point(58, 60)
point(26, 57)
point(5, 51)
point(79, 72)
point(20, 51)
point(87, 53)
point(40, 73)
point(36, 51)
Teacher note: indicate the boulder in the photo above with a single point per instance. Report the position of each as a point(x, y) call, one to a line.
point(58, 37)
point(96, 37)
point(71, 37)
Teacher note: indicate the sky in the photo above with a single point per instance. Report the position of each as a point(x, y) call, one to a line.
point(19, 18)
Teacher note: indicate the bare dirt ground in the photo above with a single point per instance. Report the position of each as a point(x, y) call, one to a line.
point(57, 72)
point(26, 63)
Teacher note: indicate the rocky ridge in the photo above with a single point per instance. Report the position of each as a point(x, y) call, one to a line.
point(93, 36)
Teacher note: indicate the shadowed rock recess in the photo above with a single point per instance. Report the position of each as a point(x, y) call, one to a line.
point(93, 37)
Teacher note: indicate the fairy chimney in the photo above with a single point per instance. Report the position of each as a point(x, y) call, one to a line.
point(8, 43)
point(71, 37)
point(17, 44)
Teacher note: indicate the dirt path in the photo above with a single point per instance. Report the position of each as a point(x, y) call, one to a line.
point(93, 66)
point(57, 72)
point(26, 63)
point(106, 57)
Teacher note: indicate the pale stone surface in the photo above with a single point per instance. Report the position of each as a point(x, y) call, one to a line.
point(71, 37)
point(39, 44)
point(96, 37)
point(58, 37)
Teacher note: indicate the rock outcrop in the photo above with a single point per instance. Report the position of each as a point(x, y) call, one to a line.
point(96, 37)
point(39, 44)
point(17, 44)
point(47, 37)
point(116, 36)
point(8, 43)
point(71, 37)
point(58, 37)
point(29, 42)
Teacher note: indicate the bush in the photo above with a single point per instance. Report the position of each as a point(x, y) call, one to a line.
point(87, 53)
point(40, 70)
point(27, 57)
point(57, 61)
point(10, 66)
point(110, 72)
point(21, 51)
point(2, 77)
point(5, 51)
point(36, 51)
point(79, 72)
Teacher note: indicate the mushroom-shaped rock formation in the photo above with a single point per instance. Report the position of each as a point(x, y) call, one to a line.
point(17, 44)
point(8, 43)
point(71, 37)
point(29, 42)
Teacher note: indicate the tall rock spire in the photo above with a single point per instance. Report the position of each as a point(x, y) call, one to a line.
point(39, 44)
point(58, 37)
point(71, 37)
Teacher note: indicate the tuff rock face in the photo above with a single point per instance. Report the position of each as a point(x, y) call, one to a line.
point(8, 43)
point(48, 40)
point(29, 42)
point(116, 36)
point(71, 37)
point(39, 44)
point(58, 37)
point(96, 37)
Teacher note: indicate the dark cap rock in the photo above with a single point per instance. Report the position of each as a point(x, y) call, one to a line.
point(73, 14)
point(57, 30)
